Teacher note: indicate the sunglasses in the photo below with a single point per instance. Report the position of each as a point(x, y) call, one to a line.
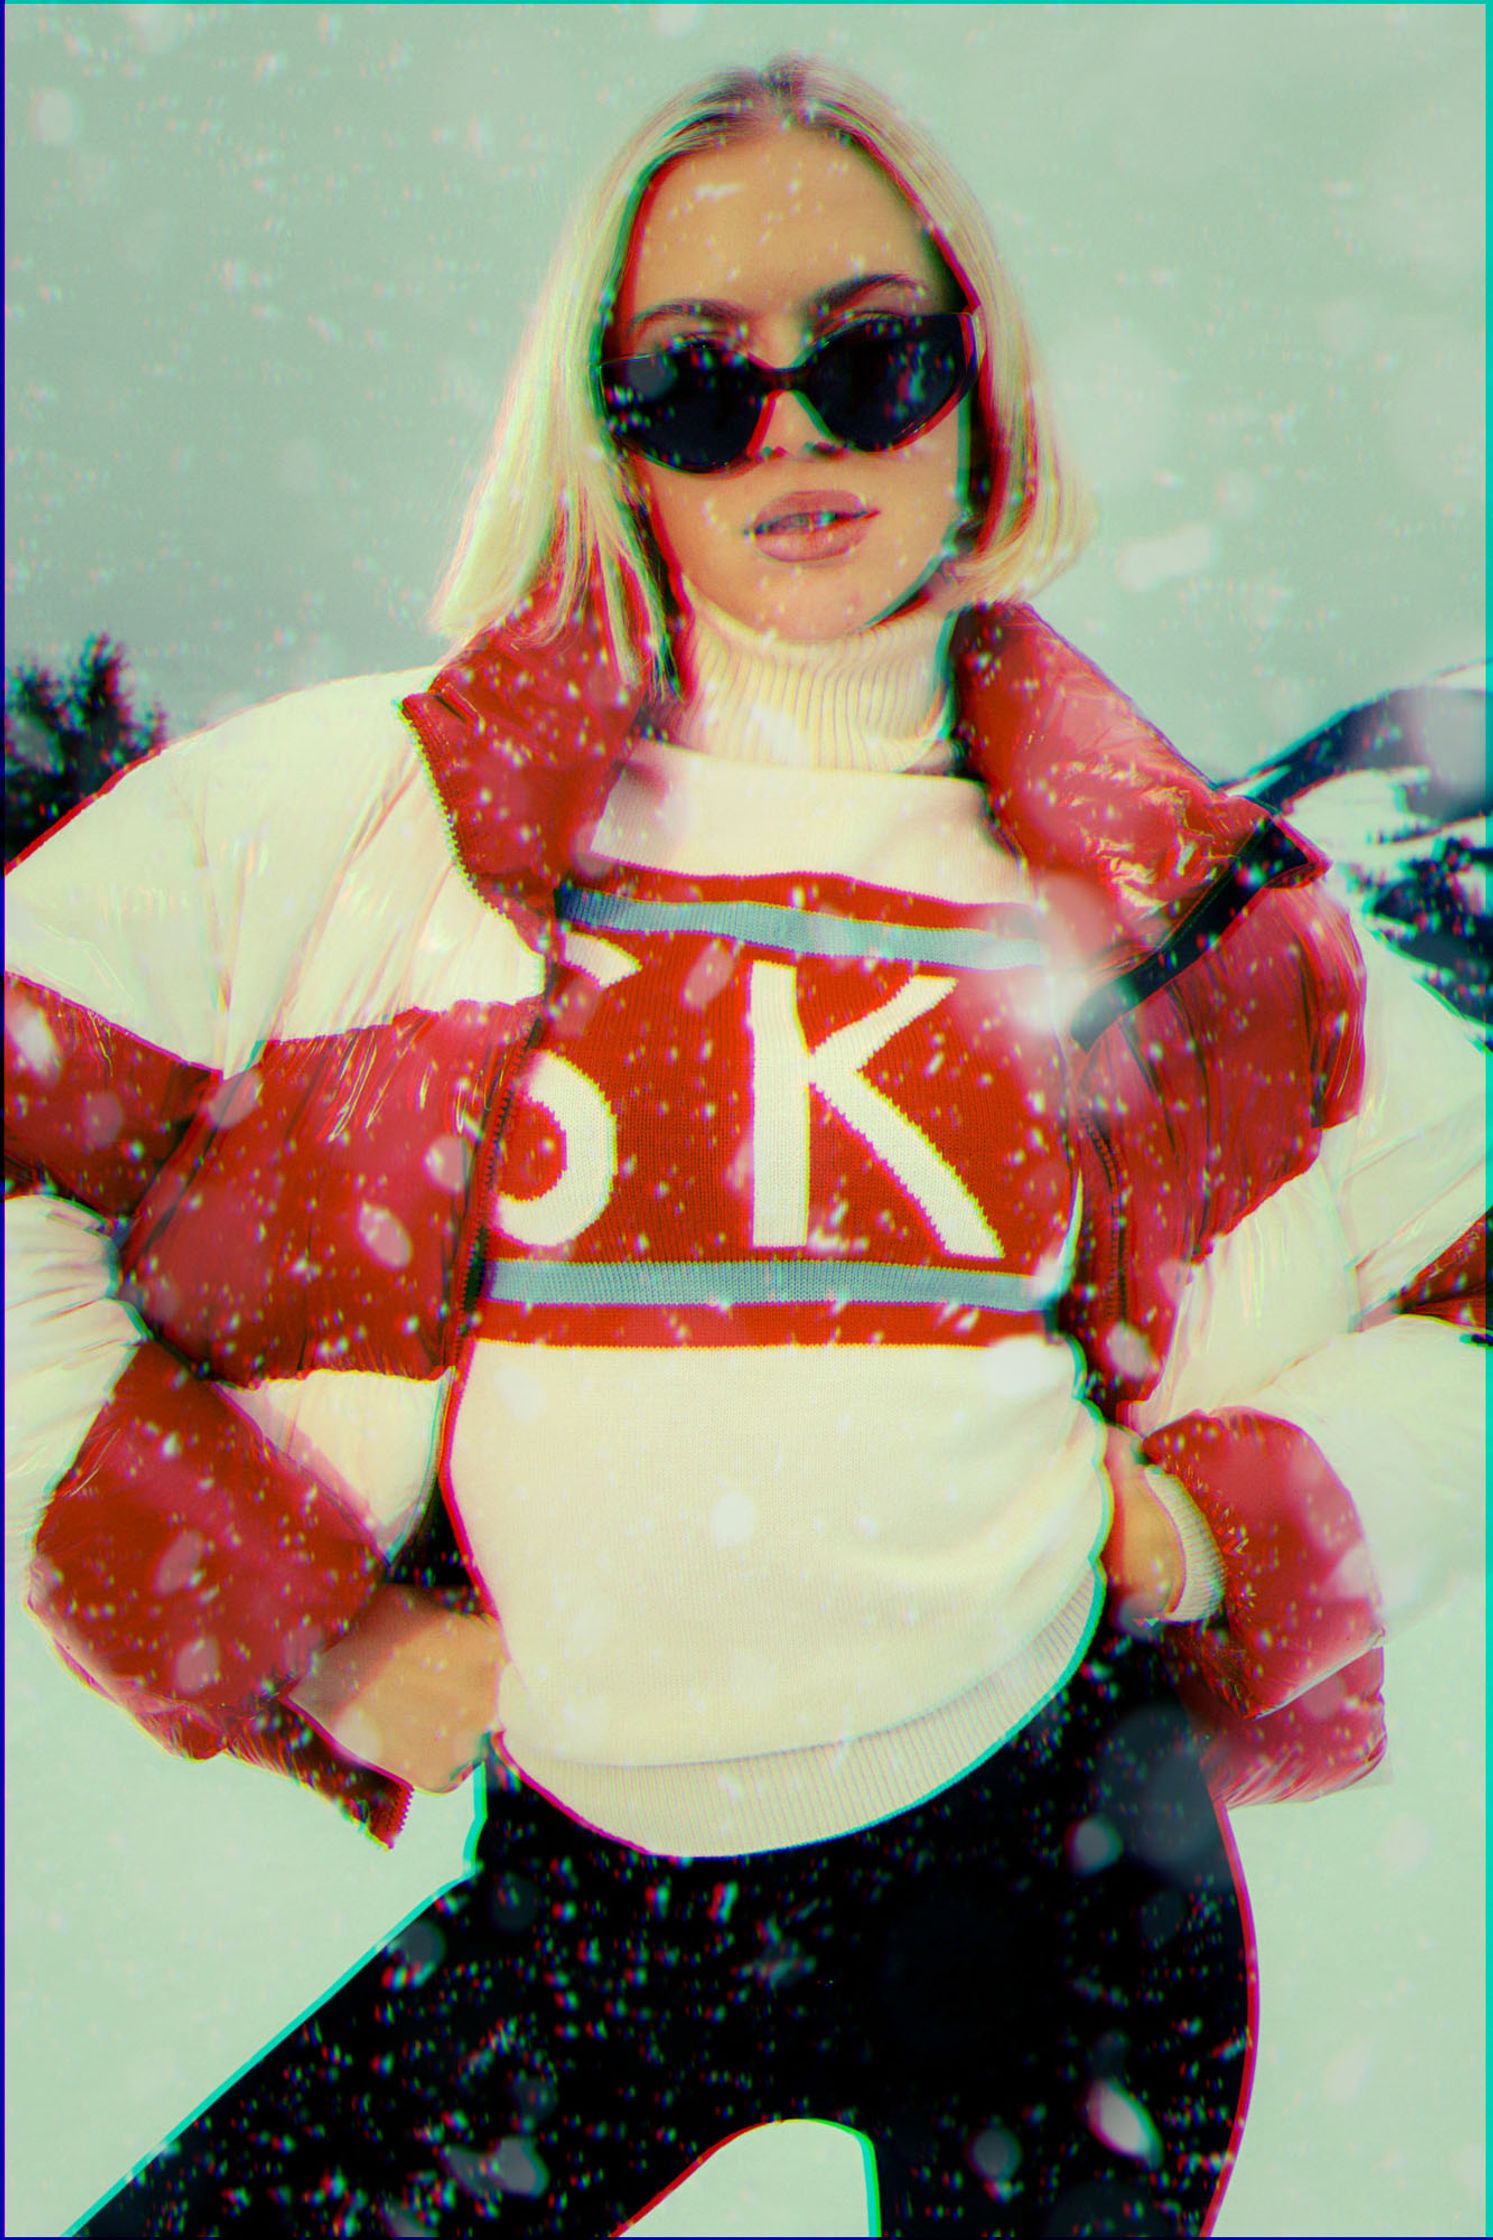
point(697, 404)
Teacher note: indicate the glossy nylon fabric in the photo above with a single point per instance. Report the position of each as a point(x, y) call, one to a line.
point(1030, 1995)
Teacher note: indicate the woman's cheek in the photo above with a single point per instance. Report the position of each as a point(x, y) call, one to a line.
point(688, 528)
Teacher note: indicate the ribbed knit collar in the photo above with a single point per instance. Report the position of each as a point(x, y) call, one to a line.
point(876, 701)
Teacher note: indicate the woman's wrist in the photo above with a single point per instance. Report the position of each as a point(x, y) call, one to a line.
point(1143, 1556)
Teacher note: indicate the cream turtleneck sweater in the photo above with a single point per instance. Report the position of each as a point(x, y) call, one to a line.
point(876, 701)
point(763, 1588)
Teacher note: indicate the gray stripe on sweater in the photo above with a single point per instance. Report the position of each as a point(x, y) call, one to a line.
point(729, 1283)
point(805, 933)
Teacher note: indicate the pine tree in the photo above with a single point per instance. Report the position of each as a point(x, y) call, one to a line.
point(66, 735)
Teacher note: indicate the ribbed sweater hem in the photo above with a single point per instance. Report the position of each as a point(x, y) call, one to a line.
point(740, 1805)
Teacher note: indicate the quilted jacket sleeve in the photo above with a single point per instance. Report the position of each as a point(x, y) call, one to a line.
point(1342, 1487)
point(182, 1564)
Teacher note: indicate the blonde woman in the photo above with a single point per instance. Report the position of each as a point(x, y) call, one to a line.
point(873, 1181)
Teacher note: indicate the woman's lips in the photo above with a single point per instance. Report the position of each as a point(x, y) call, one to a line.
point(811, 525)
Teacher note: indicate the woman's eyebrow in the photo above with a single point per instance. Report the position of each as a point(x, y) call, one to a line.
point(845, 291)
point(825, 299)
point(692, 307)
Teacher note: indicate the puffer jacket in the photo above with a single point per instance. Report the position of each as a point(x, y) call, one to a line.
point(267, 1002)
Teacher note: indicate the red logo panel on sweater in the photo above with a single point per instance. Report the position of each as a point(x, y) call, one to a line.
point(784, 1110)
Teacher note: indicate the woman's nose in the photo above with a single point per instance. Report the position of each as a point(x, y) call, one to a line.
point(789, 426)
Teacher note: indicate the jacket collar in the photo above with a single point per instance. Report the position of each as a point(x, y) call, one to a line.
point(1127, 837)
point(523, 742)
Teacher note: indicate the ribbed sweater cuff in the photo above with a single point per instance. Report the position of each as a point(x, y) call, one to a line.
point(1201, 1590)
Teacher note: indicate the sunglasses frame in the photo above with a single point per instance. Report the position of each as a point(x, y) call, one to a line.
point(796, 380)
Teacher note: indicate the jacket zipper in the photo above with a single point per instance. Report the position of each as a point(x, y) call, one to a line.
point(1114, 1276)
point(499, 1103)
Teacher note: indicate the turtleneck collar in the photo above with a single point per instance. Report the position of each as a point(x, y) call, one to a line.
point(876, 701)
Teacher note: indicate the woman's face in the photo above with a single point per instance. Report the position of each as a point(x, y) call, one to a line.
point(772, 242)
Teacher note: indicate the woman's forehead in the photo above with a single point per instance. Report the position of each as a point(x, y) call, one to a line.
point(774, 216)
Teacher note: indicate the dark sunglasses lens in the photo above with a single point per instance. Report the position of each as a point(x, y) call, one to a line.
point(691, 407)
point(695, 406)
point(880, 381)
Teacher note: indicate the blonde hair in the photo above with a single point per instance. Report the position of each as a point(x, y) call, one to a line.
point(549, 526)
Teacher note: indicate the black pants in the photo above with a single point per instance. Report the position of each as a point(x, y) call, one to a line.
point(1029, 1994)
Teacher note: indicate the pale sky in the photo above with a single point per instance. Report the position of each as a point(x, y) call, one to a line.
point(267, 267)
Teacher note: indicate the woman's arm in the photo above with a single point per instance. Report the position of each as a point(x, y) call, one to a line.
point(180, 1560)
point(1323, 1404)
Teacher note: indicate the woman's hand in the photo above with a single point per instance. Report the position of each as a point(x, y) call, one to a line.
point(410, 1688)
point(1142, 1557)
